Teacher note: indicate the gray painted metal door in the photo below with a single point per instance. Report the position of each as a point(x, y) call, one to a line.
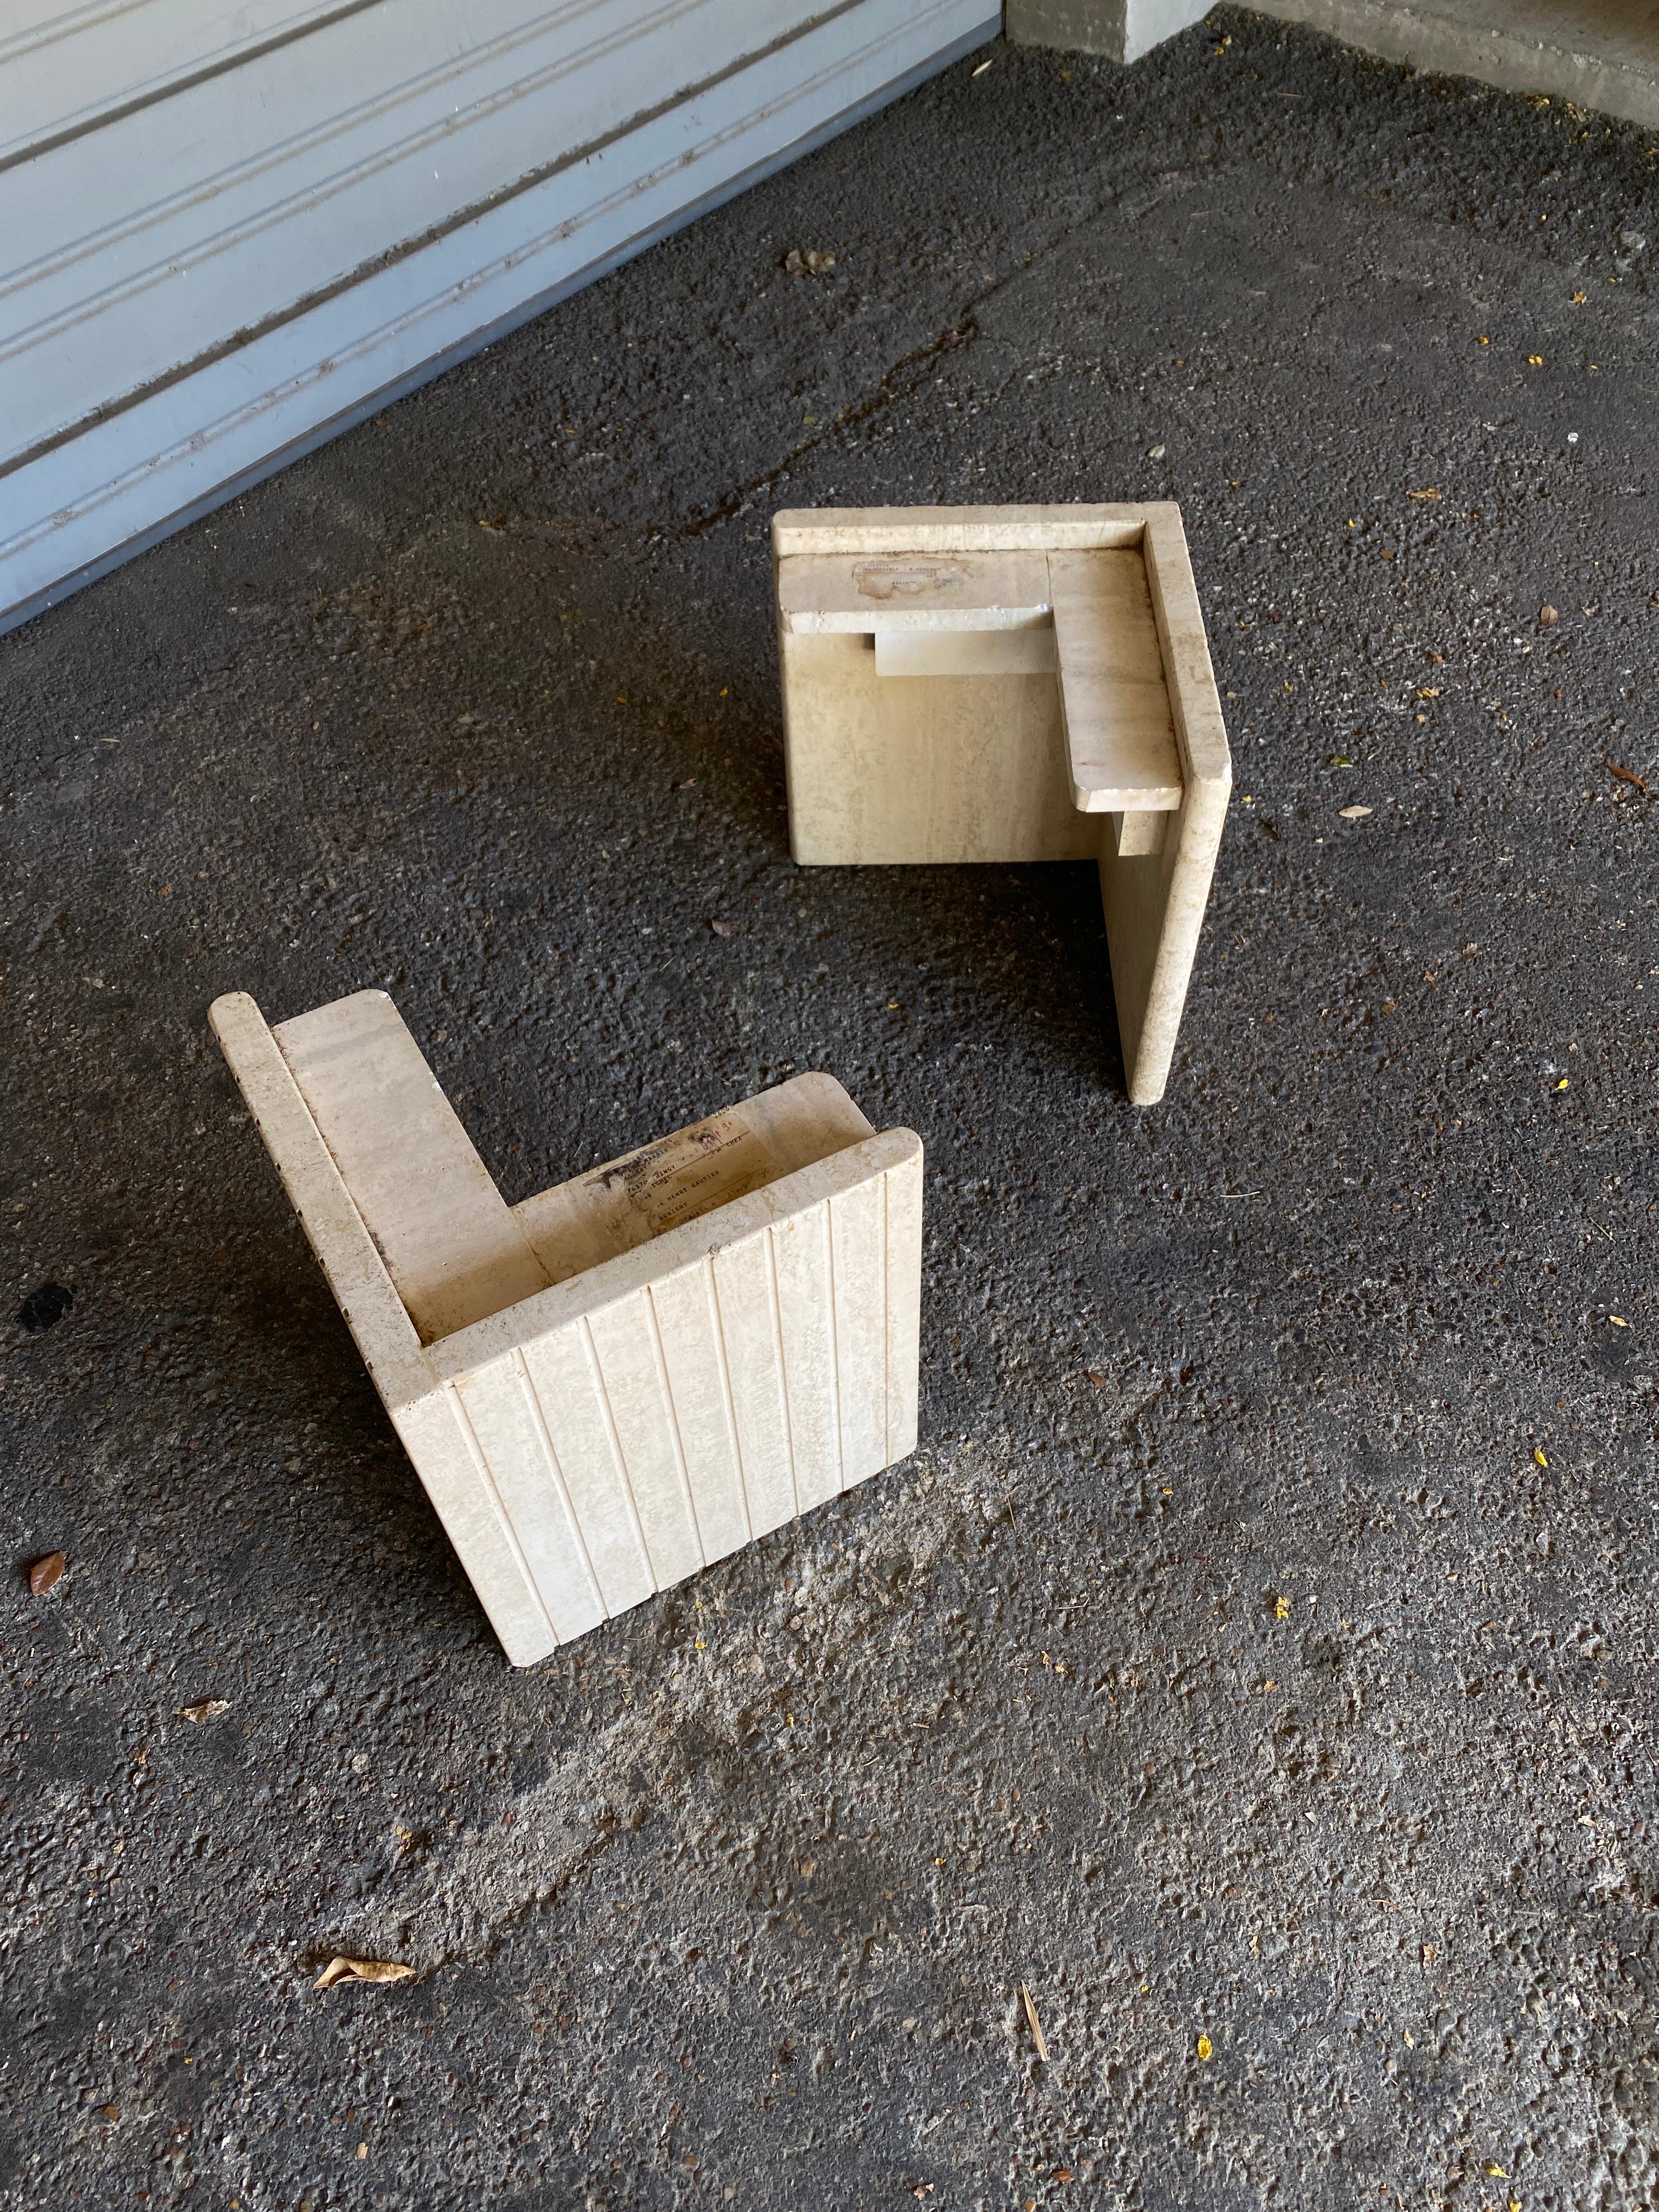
point(228, 228)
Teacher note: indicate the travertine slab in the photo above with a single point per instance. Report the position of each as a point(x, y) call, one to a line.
point(618, 1381)
point(928, 720)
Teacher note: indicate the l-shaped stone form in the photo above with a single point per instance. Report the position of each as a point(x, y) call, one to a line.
point(622, 1379)
point(1012, 684)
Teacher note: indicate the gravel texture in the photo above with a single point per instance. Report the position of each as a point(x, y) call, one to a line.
point(1255, 1662)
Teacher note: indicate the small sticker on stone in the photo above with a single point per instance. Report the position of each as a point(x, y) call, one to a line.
point(907, 580)
point(690, 1173)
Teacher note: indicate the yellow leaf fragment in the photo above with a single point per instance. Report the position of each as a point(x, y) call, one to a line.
point(1495, 2170)
point(1431, 492)
point(362, 1970)
point(1564, 1083)
point(1619, 1320)
point(1205, 2049)
point(1281, 1608)
point(1539, 1456)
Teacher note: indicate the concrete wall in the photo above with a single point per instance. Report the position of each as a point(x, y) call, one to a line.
point(1597, 53)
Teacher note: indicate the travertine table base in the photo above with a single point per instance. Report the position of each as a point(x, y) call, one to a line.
point(987, 683)
point(608, 1386)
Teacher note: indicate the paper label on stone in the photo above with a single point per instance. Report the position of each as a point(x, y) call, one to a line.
point(691, 1173)
point(907, 580)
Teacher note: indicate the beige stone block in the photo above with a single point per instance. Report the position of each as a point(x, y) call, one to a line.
point(622, 1379)
point(1012, 684)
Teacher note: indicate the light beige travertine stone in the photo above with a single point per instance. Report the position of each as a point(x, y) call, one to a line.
point(628, 1376)
point(926, 719)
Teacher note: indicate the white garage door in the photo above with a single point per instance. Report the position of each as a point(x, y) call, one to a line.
point(230, 227)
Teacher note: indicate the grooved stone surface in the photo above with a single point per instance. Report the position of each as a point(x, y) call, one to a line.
point(1228, 1663)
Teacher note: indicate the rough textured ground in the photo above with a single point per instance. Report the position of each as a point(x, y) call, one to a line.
point(1260, 1648)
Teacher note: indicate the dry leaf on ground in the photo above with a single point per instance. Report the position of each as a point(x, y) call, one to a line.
point(807, 262)
point(1034, 2023)
point(1432, 492)
point(1625, 775)
point(1547, 614)
point(208, 1710)
point(362, 1970)
point(44, 1572)
point(1353, 813)
point(720, 928)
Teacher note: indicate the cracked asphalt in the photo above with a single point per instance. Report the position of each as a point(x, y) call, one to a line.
point(1255, 1662)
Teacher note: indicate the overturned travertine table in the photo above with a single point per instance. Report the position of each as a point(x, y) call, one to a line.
point(1012, 684)
point(615, 1383)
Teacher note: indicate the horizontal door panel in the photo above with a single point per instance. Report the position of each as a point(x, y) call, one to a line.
point(229, 231)
point(63, 70)
point(146, 464)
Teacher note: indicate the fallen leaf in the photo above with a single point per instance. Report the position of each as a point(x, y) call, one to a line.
point(1281, 1608)
point(1483, 342)
point(808, 262)
point(1579, 299)
point(44, 1572)
point(1564, 1083)
point(362, 1970)
point(1536, 360)
point(363, 2150)
point(926, 2188)
point(1206, 2050)
point(1094, 1376)
point(1035, 2024)
point(208, 1710)
point(1547, 614)
point(1353, 813)
point(1619, 1320)
point(720, 928)
point(980, 70)
point(1492, 2167)
point(1156, 453)
point(1060, 2173)
point(1539, 1456)
point(1625, 776)
point(1432, 492)
point(1428, 690)
point(1338, 760)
